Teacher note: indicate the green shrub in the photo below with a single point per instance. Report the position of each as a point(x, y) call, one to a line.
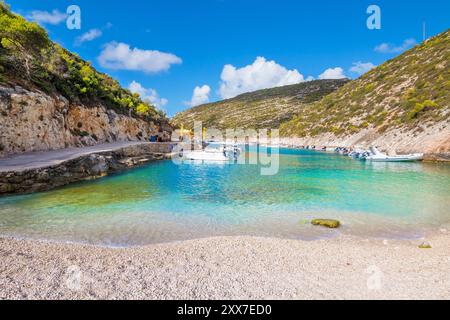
point(369, 87)
point(364, 125)
point(420, 108)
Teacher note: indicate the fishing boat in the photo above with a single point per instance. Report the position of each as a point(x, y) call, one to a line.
point(376, 155)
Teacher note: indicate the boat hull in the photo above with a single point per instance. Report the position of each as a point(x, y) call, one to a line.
point(396, 159)
point(206, 156)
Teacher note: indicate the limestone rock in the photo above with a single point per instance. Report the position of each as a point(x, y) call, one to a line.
point(329, 223)
point(35, 121)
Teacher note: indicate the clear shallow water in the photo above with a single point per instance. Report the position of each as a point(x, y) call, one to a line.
point(165, 202)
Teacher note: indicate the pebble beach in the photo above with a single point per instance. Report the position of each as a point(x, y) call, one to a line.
point(345, 267)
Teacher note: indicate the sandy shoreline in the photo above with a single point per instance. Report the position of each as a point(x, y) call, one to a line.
point(228, 268)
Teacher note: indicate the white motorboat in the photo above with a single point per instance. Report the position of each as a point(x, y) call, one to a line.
point(213, 152)
point(206, 155)
point(376, 155)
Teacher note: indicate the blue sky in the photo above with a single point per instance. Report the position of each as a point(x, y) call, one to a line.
point(168, 48)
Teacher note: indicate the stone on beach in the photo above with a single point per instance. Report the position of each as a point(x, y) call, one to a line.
point(425, 245)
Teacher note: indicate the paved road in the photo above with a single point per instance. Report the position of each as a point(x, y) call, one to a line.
point(34, 160)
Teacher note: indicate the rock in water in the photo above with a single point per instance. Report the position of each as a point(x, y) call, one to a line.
point(329, 223)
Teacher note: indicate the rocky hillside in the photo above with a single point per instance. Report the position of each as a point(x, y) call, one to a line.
point(402, 106)
point(51, 98)
point(260, 109)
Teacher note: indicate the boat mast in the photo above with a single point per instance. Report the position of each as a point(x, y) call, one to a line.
point(424, 31)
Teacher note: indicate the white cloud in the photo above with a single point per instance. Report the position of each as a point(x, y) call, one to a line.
point(119, 56)
point(362, 67)
point(391, 48)
point(200, 96)
point(333, 73)
point(44, 17)
point(149, 95)
point(88, 36)
point(261, 74)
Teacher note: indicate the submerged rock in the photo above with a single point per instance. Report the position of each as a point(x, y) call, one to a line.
point(329, 223)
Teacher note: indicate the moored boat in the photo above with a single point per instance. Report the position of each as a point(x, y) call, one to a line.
point(205, 155)
point(214, 152)
point(376, 155)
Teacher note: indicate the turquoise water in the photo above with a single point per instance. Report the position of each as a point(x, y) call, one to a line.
point(164, 202)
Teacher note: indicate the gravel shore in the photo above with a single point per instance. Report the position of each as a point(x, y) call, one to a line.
point(228, 268)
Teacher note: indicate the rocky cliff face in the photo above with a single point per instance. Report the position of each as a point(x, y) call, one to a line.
point(35, 121)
